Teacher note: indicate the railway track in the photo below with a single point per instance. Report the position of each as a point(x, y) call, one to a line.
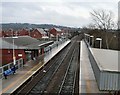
point(42, 85)
point(68, 83)
point(69, 79)
point(59, 75)
point(34, 79)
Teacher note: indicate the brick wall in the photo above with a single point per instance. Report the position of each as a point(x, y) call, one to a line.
point(7, 55)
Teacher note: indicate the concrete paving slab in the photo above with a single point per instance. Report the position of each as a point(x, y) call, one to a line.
point(87, 82)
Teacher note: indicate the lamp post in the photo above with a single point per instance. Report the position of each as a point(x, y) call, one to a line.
point(92, 40)
point(89, 39)
point(99, 39)
point(14, 58)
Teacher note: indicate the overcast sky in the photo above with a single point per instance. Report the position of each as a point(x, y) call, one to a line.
point(75, 13)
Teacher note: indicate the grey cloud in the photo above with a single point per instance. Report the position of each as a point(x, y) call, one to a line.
point(49, 12)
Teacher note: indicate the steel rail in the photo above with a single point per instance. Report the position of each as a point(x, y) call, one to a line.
point(63, 85)
point(39, 72)
point(50, 78)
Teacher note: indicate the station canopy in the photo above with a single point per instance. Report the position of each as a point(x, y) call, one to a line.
point(22, 42)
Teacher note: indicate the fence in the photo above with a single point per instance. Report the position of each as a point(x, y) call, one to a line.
point(18, 65)
point(47, 49)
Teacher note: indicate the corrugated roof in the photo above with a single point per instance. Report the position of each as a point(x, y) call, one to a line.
point(6, 45)
point(22, 42)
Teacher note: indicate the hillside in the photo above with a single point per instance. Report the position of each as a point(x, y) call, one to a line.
point(17, 26)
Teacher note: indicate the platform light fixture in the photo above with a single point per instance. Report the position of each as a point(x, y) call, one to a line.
point(92, 40)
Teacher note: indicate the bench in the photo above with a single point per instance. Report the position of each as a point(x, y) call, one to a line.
point(8, 72)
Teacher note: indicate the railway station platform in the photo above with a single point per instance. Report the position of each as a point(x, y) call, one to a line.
point(105, 64)
point(87, 82)
point(14, 81)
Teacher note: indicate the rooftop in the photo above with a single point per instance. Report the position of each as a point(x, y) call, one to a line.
point(41, 31)
point(57, 29)
point(22, 42)
point(107, 59)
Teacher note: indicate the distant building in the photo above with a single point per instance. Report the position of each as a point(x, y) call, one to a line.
point(47, 31)
point(56, 32)
point(2, 33)
point(34, 33)
point(23, 32)
point(38, 33)
point(9, 33)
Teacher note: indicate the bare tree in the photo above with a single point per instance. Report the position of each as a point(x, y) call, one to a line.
point(91, 26)
point(103, 20)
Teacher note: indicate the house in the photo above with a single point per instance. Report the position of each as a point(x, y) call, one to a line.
point(47, 31)
point(2, 33)
point(56, 32)
point(9, 33)
point(38, 33)
point(23, 32)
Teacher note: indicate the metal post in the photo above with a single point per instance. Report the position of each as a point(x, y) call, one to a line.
point(89, 40)
point(57, 37)
point(99, 39)
point(100, 44)
point(14, 59)
point(85, 36)
point(92, 41)
point(8, 66)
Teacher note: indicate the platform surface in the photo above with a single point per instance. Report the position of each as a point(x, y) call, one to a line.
point(87, 82)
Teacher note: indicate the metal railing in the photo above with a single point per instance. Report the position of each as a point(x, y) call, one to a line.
point(55, 44)
point(18, 65)
point(106, 80)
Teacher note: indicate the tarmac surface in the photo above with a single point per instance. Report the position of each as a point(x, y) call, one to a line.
point(87, 82)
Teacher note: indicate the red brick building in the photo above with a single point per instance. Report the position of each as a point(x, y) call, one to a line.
point(25, 47)
point(9, 33)
point(35, 33)
point(38, 33)
point(2, 34)
point(23, 32)
point(7, 55)
point(55, 31)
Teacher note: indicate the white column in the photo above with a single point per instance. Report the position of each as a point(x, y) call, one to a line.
point(14, 58)
point(99, 39)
